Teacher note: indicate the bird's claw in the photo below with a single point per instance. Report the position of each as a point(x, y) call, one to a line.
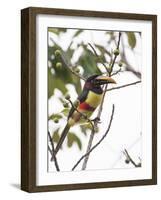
point(97, 119)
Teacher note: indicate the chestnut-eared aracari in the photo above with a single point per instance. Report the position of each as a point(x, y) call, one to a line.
point(89, 99)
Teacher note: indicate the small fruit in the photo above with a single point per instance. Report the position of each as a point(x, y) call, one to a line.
point(127, 161)
point(57, 52)
point(67, 96)
point(56, 120)
point(77, 70)
point(58, 65)
point(120, 64)
point(116, 52)
point(66, 105)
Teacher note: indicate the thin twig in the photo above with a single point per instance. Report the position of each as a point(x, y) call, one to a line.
point(98, 57)
point(99, 142)
point(49, 149)
point(69, 64)
point(118, 45)
point(115, 73)
point(122, 86)
point(131, 69)
point(129, 147)
point(71, 68)
point(130, 159)
point(86, 157)
point(53, 154)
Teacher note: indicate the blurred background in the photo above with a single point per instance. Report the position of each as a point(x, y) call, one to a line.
point(125, 132)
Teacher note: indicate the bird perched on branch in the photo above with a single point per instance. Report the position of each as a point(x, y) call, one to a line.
point(88, 101)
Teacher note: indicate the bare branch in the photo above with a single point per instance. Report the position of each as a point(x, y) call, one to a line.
point(99, 142)
point(131, 69)
point(117, 72)
point(49, 149)
point(118, 45)
point(98, 56)
point(122, 86)
point(130, 159)
point(52, 151)
point(68, 65)
point(100, 110)
point(86, 157)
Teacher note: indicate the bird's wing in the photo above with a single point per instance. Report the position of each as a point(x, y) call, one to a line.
point(82, 97)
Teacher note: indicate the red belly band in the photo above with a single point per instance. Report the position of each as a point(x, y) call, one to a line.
point(86, 106)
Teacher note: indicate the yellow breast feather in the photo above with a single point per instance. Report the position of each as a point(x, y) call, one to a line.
point(93, 99)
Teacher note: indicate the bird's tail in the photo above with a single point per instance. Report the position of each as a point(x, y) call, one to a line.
point(62, 138)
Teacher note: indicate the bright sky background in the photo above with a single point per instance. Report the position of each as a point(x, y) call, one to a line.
point(125, 131)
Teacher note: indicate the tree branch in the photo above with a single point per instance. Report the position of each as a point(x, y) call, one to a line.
point(100, 110)
point(52, 151)
point(117, 72)
point(122, 86)
point(130, 159)
point(113, 62)
point(49, 149)
point(98, 57)
point(99, 142)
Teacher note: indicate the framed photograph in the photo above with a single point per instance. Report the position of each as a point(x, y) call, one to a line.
point(88, 99)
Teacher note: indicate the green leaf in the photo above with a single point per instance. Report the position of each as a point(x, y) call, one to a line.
point(88, 61)
point(55, 82)
point(53, 116)
point(103, 50)
point(72, 138)
point(57, 31)
point(77, 33)
point(65, 111)
point(131, 39)
point(56, 136)
point(84, 129)
point(57, 79)
point(86, 125)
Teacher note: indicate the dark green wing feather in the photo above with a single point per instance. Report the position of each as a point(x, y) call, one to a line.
point(82, 97)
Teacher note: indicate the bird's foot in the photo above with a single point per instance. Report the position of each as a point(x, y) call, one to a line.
point(96, 120)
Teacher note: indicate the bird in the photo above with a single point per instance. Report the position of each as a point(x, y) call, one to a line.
point(89, 99)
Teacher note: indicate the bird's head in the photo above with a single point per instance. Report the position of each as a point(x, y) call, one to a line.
point(95, 82)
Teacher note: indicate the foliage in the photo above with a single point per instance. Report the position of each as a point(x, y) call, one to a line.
point(131, 39)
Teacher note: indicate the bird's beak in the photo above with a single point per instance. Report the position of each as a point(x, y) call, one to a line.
point(105, 79)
